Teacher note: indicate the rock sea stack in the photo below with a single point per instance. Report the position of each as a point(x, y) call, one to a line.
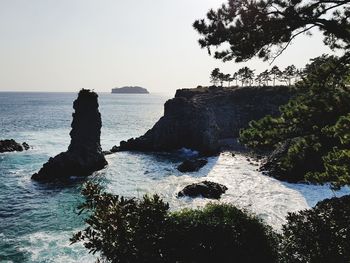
point(208, 119)
point(84, 155)
point(12, 146)
point(204, 189)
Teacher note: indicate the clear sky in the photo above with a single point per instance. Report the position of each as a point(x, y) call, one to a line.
point(66, 45)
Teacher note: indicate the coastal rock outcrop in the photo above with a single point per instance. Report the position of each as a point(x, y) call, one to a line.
point(84, 154)
point(208, 119)
point(204, 189)
point(192, 165)
point(12, 146)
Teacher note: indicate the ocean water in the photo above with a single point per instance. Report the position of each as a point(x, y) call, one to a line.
point(37, 220)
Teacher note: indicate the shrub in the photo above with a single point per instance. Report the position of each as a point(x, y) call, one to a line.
point(130, 230)
point(220, 233)
point(320, 234)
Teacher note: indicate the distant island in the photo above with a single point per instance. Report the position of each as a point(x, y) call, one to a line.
point(130, 90)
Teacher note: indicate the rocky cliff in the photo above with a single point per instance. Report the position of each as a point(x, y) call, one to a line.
point(207, 118)
point(84, 154)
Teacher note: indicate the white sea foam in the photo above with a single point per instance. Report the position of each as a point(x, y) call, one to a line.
point(249, 189)
point(54, 247)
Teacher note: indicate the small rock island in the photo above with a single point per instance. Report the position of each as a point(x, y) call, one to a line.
point(130, 90)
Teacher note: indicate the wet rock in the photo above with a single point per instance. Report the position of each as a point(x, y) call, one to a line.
point(114, 149)
point(84, 155)
point(192, 165)
point(25, 146)
point(205, 189)
point(12, 146)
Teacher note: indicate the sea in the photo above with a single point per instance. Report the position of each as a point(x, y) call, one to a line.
point(37, 219)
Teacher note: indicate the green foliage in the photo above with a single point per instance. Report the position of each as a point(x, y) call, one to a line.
point(130, 230)
point(120, 229)
point(336, 162)
point(318, 235)
point(218, 233)
point(315, 124)
point(241, 29)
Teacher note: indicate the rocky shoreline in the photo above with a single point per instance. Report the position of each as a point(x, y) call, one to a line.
point(208, 119)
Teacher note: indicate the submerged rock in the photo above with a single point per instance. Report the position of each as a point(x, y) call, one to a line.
point(206, 119)
point(192, 165)
point(84, 155)
point(12, 146)
point(205, 189)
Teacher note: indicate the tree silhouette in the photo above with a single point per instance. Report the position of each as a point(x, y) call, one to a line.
point(235, 77)
point(246, 75)
point(214, 76)
point(221, 79)
point(289, 73)
point(276, 74)
point(265, 75)
point(242, 29)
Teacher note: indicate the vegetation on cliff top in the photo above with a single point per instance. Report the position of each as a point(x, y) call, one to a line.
point(246, 76)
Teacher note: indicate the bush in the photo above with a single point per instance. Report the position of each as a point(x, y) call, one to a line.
point(319, 235)
point(130, 230)
point(220, 233)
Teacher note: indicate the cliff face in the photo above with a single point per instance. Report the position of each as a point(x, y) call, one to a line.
point(202, 118)
point(84, 155)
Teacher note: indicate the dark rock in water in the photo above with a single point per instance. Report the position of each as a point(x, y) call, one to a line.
point(25, 146)
point(192, 165)
point(12, 146)
point(205, 189)
point(114, 149)
point(84, 155)
point(203, 119)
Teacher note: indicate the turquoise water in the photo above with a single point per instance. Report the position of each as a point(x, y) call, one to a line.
point(37, 220)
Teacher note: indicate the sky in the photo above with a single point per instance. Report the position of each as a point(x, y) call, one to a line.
point(67, 45)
